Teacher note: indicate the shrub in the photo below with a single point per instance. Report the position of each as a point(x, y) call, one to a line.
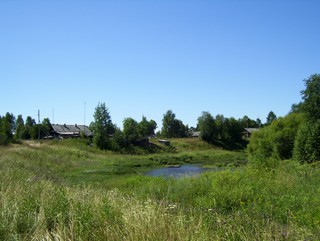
point(275, 142)
point(307, 144)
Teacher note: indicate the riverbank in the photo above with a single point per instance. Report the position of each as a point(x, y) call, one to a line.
point(75, 163)
point(69, 191)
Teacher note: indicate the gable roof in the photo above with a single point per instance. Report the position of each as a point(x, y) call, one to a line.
point(71, 130)
point(251, 130)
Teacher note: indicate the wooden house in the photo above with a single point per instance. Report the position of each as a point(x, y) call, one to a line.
point(70, 131)
point(248, 131)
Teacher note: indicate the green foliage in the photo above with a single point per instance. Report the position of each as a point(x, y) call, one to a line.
point(45, 127)
point(234, 131)
point(258, 123)
point(220, 122)
point(246, 122)
point(65, 190)
point(7, 127)
point(221, 131)
point(130, 130)
point(207, 127)
point(307, 144)
point(135, 133)
point(146, 128)
point(311, 97)
point(14, 130)
point(4, 140)
point(102, 127)
point(172, 127)
point(29, 129)
point(275, 142)
point(118, 141)
point(296, 108)
point(288, 136)
point(20, 128)
point(271, 117)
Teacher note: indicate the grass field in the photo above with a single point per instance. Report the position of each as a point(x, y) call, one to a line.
point(66, 190)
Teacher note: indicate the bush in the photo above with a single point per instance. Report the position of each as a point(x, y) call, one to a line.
point(307, 144)
point(275, 142)
point(3, 138)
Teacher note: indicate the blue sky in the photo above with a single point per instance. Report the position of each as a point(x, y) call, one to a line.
point(233, 58)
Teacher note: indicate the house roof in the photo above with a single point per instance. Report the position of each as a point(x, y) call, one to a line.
point(196, 134)
point(251, 130)
point(71, 129)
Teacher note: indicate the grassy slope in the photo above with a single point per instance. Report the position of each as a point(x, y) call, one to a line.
point(71, 191)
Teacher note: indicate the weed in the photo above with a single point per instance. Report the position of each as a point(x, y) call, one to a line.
point(57, 191)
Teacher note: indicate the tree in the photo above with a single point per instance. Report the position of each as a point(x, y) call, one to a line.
point(307, 144)
point(29, 129)
point(222, 131)
point(296, 108)
point(3, 136)
point(152, 127)
point(45, 127)
point(234, 131)
point(172, 127)
point(271, 117)
point(311, 97)
point(130, 130)
point(259, 123)
point(7, 128)
point(246, 122)
point(220, 122)
point(178, 129)
point(167, 123)
point(207, 127)
point(20, 128)
point(146, 128)
point(9, 125)
point(118, 141)
point(102, 127)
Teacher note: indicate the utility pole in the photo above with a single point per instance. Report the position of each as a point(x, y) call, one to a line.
point(84, 117)
point(38, 125)
point(52, 115)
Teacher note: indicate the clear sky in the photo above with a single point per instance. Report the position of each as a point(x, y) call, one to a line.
point(233, 58)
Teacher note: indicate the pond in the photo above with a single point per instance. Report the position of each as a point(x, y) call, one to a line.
point(178, 171)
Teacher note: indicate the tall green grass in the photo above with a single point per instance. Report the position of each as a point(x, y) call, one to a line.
point(51, 192)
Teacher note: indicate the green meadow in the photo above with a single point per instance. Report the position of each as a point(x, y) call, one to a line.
point(67, 190)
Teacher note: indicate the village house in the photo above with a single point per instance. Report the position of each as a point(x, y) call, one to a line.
point(248, 131)
point(70, 131)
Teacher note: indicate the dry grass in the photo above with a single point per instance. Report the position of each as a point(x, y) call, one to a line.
point(37, 202)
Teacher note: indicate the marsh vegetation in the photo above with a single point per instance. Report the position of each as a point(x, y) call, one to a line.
point(66, 190)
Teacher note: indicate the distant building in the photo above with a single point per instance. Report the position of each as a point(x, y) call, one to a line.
point(196, 134)
point(193, 132)
point(248, 131)
point(164, 142)
point(69, 131)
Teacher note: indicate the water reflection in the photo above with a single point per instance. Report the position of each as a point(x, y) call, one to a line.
point(184, 170)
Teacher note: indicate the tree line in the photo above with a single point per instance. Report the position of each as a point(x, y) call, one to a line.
point(218, 130)
point(295, 136)
point(13, 129)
